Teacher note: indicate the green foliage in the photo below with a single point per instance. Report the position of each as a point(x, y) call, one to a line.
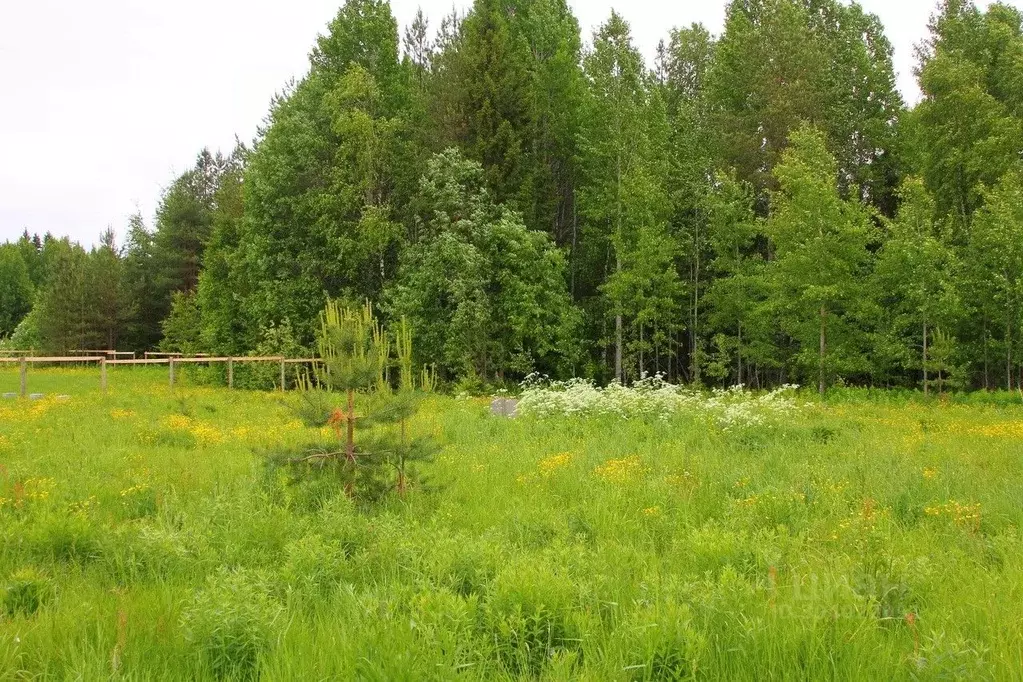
point(312, 568)
point(528, 205)
point(780, 64)
point(322, 183)
point(221, 286)
point(996, 260)
point(184, 223)
point(304, 478)
point(403, 348)
point(232, 622)
point(274, 341)
point(820, 243)
point(181, 328)
point(143, 308)
point(16, 289)
point(355, 358)
point(529, 621)
point(630, 252)
point(917, 276)
point(968, 129)
point(570, 547)
point(25, 592)
point(26, 334)
point(349, 346)
point(480, 292)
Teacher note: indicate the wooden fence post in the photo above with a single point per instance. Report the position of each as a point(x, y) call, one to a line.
point(103, 374)
point(282, 375)
point(24, 378)
point(230, 372)
point(171, 363)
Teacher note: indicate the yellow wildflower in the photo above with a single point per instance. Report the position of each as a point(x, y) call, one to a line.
point(139, 488)
point(620, 470)
point(684, 480)
point(38, 488)
point(962, 514)
point(550, 465)
point(82, 508)
point(204, 434)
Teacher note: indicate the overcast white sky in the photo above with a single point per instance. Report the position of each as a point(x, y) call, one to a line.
point(105, 102)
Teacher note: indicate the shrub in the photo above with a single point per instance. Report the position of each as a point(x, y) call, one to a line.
point(528, 620)
point(232, 622)
point(311, 568)
point(274, 341)
point(71, 539)
point(305, 478)
point(25, 592)
point(145, 551)
point(663, 645)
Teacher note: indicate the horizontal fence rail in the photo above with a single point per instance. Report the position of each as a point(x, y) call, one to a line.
point(111, 354)
point(110, 358)
point(57, 360)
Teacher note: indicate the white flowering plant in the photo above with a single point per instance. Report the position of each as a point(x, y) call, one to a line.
point(654, 398)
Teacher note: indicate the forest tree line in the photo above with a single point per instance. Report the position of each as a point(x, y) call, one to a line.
point(759, 207)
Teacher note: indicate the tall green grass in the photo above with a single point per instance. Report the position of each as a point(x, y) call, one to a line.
point(141, 539)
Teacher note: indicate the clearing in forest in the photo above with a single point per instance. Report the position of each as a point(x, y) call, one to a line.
point(671, 537)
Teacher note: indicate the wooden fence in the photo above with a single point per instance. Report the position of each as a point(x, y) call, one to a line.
point(109, 354)
point(172, 360)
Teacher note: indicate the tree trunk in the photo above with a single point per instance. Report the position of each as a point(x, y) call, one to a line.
point(402, 481)
point(350, 419)
point(824, 348)
point(575, 231)
point(1008, 355)
point(619, 375)
point(641, 355)
point(738, 353)
point(926, 389)
point(987, 369)
point(657, 353)
point(696, 304)
point(618, 349)
point(618, 268)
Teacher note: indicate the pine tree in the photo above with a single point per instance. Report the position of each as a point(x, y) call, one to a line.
point(64, 304)
point(16, 290)
point(143, 308)
point(349, 346)
point(495, 103)
point(106, 292)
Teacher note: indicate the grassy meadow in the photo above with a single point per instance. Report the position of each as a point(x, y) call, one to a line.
point(867, 537)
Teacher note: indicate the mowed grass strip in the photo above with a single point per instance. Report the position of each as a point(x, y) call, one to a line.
point(140, 537)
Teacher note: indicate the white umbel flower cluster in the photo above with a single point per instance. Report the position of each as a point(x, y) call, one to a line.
point(654, 398)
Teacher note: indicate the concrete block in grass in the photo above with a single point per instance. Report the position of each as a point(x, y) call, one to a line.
point(504, 407)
